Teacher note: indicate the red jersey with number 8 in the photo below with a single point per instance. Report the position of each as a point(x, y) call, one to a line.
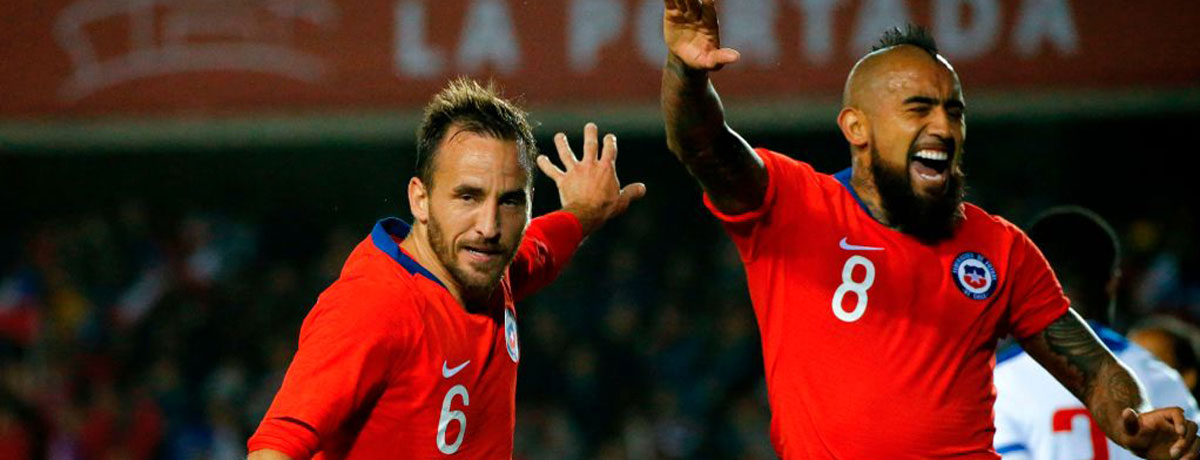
point(390, 365)
point(875, 344)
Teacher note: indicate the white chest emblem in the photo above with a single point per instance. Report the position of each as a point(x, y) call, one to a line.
point(510, 336)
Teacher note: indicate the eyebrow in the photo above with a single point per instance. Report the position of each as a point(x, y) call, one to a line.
point(926, 100)
point(518, 194)
point(464, 189)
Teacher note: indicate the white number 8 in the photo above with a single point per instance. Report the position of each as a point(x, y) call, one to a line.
point(858, 288)
point(452, 415)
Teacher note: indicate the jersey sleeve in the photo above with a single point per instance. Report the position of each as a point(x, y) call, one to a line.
point(1166, 388)
point(345, 353)
point(1037, 297)
point(549, 243)
point(789, 183)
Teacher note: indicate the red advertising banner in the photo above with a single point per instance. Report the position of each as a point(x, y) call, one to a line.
point(76, 58)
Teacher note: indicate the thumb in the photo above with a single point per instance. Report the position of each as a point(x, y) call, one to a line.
point(1130, 422)
point(631, 193)
point(726, 56)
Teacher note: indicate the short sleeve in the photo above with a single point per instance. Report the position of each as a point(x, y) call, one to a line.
point(548, 245)
point(345, 354)
point(1037, 298)
point(789, 182)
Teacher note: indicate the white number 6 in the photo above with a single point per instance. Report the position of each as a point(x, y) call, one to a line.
point(452, 415)
point(858, 288)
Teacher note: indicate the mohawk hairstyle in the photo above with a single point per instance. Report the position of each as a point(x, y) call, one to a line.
point(912, 34)
point(477, 109)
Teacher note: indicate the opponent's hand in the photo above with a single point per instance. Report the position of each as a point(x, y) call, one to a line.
point(692, 35)
point(1160, 434)
point(589, 188)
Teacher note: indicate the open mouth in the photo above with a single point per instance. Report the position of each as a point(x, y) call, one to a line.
point(482, 254)
point(930, 165)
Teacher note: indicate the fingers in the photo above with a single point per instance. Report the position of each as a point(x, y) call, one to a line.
point(1186, 430)
point(629, 194)
point(565, 155)
point(549, 168)
point(590, 146)
point(1185, 447)
point(609, 153)
point(1192, 451)
point(691, 8)
point(1129, 420)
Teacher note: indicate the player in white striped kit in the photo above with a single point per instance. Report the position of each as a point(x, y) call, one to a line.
point(1036, 417)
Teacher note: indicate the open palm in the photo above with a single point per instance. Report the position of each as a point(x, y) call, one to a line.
point(692, 34)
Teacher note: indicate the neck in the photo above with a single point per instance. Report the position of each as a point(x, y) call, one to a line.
point(416, 244)
point(864, 185)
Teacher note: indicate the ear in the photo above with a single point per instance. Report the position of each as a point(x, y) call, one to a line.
point(418, 200)
point(855, 126)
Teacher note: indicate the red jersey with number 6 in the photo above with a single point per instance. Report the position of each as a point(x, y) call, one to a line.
point(875, 344)
point(390, 365)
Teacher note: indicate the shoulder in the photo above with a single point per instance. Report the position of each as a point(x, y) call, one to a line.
point(778, 163)
point(1145, 366)
point(371, 294)
point(786, 172)
point(979, 220)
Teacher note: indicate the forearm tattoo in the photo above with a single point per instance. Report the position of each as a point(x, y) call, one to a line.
point(1073, 354)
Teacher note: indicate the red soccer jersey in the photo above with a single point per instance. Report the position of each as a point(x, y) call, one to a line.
point(876, 345)
point(390, 365)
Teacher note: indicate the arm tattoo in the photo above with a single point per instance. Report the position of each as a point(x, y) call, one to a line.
point(1070, 351)
point(717, 157)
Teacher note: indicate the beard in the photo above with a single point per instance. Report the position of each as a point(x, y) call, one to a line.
point(477, 281)
point(931, 219)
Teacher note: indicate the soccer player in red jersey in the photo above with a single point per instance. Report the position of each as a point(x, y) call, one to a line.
point(880, 295)
point(412, 353)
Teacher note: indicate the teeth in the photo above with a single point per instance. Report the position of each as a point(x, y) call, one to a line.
point(932, 155)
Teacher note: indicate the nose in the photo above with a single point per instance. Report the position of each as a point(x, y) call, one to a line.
point(487, 221)
point(941, 126)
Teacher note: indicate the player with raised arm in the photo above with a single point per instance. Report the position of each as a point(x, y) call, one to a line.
point(880, 295)
point(412, 353)
point(1035, 416)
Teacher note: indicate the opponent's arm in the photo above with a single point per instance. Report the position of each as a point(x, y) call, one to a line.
point(724, 164)
point(1070, 351)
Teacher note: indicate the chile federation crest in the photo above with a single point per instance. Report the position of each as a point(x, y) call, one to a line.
point(510, 336)
point(974, 275)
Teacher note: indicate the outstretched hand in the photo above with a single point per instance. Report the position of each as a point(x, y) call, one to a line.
point(589, 188)
point(1160, 434)
point(693, 36)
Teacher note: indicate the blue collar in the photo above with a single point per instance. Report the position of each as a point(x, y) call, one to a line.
point(382, 234)
point(843, 176)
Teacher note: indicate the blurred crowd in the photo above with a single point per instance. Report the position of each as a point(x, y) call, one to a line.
point(127, 335)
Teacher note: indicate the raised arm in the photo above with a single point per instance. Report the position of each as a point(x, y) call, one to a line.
point(1070, 351)
point(724, 164)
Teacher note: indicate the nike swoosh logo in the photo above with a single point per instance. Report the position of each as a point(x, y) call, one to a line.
point(852, 247)
point(448, 372)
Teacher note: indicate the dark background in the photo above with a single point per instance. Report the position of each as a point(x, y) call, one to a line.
point(646, 347)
